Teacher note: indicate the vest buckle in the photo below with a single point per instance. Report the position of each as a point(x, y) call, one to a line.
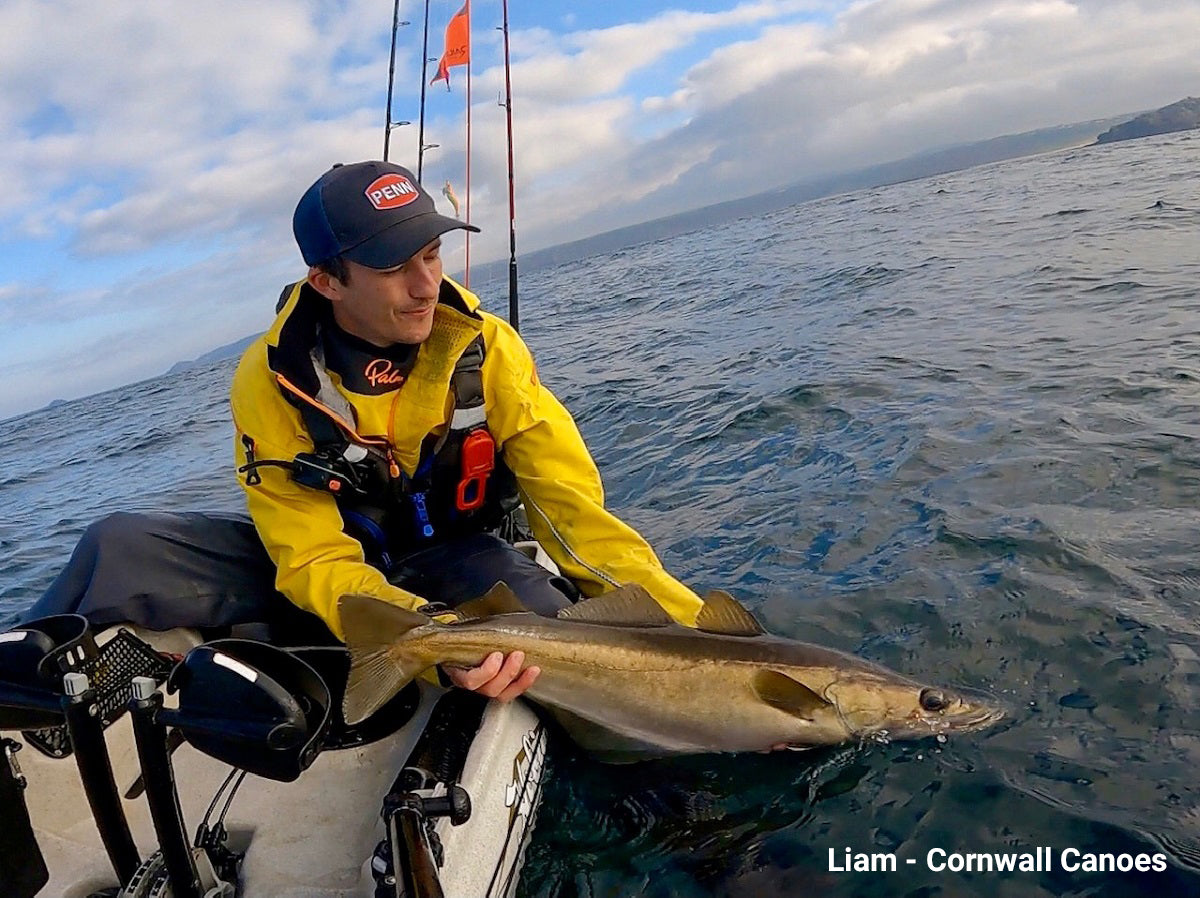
point(478, 456)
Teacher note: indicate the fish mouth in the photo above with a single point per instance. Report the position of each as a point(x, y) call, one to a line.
point(963, 721)
point(977, 719)
point(954, 709)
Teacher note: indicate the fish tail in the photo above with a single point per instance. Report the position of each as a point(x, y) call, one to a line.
point(371, 628)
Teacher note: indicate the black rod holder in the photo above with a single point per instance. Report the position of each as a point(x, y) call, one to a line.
point(162, 795)
point(412, 857)
point(406, 814)
point(95, 772)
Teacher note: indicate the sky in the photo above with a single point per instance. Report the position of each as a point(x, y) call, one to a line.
point(153, 152)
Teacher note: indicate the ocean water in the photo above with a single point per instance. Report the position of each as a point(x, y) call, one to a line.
point(951, 425)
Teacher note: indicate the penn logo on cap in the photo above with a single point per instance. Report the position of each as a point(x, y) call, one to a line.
point(391, 191)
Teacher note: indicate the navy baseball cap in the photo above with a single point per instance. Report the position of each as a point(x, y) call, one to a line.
point(373, 213)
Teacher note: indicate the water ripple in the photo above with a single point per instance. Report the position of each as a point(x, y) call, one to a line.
point(950, 424)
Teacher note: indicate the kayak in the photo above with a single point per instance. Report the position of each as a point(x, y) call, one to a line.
point(232, 768)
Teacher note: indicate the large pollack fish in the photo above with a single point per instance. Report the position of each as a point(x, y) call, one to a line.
point(627, 682)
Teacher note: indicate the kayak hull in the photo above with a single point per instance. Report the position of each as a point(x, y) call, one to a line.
point(315, 836)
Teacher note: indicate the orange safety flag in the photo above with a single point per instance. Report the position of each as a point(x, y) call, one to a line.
point(458, 44)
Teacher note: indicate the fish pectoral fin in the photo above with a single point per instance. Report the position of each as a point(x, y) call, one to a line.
point(500, 599)
point(626, 606)
point(604, 744)
point(371, 626)
point(724, 614)
point(785, 694)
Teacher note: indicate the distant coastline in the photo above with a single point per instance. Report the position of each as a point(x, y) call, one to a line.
point(1181, 116)
point(237, 347)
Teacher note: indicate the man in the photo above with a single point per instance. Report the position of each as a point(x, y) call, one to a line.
point(385, 424)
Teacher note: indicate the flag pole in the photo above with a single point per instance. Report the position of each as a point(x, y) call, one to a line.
point(467, 272)
point(513, 317)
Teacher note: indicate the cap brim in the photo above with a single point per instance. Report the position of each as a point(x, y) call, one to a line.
point(396, 245)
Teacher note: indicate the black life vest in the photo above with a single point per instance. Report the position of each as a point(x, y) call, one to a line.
point(461, 484)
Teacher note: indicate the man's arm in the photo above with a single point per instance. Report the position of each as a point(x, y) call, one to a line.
point(301, 529)
point(561, 487)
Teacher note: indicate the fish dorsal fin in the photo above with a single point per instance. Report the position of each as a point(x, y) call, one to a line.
point(785, 694)
point(722, 613)
point(500, 599)
point(627, 606)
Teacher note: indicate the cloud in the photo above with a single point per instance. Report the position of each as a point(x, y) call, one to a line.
point(581, 65)
point(879, 81)
point(63, 344)
point(156, 150)
point(175, 119)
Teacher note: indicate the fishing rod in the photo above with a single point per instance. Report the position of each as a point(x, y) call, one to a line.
point(513, 317)
point(388, 125)
point(424, 76)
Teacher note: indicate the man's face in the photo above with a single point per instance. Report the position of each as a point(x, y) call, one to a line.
point(387, 306)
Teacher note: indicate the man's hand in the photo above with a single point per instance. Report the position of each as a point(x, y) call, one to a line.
point(497, 677)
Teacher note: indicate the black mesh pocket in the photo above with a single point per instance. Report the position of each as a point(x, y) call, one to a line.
point(110, 674)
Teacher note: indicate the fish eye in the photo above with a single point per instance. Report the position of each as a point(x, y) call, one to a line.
point(934, 700)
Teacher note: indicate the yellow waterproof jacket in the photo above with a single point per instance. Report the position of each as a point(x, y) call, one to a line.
point(301, 527)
